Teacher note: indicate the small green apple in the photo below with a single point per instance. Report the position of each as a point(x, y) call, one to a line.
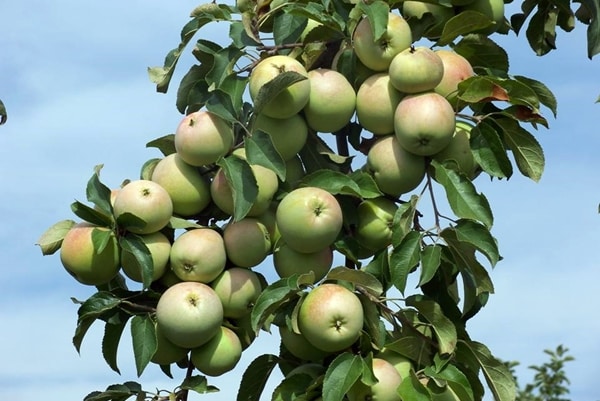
point(198, 255)
point(287, 134)
point(299, 346)
point(375, 220)
point(247, 242)
point(416, 69)
point(288, 262)
point(238, 289)
point(219, 355)
point(143, 207)
point(166, 352)
point(376, 102)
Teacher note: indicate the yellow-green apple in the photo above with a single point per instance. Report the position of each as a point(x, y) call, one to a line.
point(424, 123)
point(456, 69)
point(331, 317)
point(299, 346)
point(290, 100)
point(166, 352)
point(332, 101)
point(378, 54)
point(416, 69)
point(84, 260)
point(388, 380)
point(159, 247)
point(418, 9)
point(188, 189)
point(189, 314)
point(219, 355)
point(493, 9)
point(395, 170)
point(376, 102)
point(247, 242)
point(202, 137)
point(458, 153)
point(402, 364)
point(287, 134)
point(375, 219)
point(237, 288)
point(143, 207)
point(309, 219)
point(287, 261)
point(198, 255)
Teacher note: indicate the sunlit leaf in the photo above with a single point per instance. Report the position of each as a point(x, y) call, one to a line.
point(404, 258)
point(341, 374)
point(442, 326)
point(51, 240)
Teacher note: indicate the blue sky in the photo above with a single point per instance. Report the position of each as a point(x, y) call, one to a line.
point(73, 78)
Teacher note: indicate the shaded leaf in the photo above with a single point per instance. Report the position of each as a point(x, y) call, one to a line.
point(479, 237)
point(341, 374)
point(377, 12)
point(255, 377)
point(358, 278)
point(443, 327)
point(113, 331)
point(98, 193)
point(333, 182)
point(274, 296)
point(275, 86)
point(135, 245)
point(527, 151)
point(489, 151)
point(403, 220)
point(430, 261)
point(166, 144)
point(143, 337)
point(260, 150)
point(242, 182)
point(3, 114)
point(481, 51)
point(404, 258)
point(467, 21)
point(412, 389)
point(198, 384)
point(91, 215)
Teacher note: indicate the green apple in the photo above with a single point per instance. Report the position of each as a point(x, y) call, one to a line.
point(394, 170)
point(288, 262)
point(198, 255)
point(331, 317)
point(493, 9)
point(289, 101)
point(160, 248)
point(418, 9)
point(247, 242)
point(166, 352)
point(424, 123)
point(375, 221)
point(238, 289)
point(332, 101)
point(309, 219)
point(378, 54)
point(202, 137)
point(416, 69)
point(376, 102)
point(458, 152)
point(81, 257)
point(287, 134)
point(299, 346)
point(388, 380)
point(219, 355)
point(143, 207)
point(188, 189)
point(456, 69)
point(402, 364)
point(189, 314)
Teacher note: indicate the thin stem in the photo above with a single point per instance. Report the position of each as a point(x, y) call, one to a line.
point(183, 394)
point(436, 211)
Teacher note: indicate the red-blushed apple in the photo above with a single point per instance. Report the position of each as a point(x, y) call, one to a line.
point(376, 102)
point(201, 138)
point(493, 9)
point(458, 153)
point(331, 317)
point(81, 257)
point(188, 189)
point(416, 69)
point(238, 289)
point(424, 123)
point(418, 9)
point(456, 69)
point(247, 242)
point(189, 314)
point(288, 262)
point(219, 355)
point(394, 170)
point(143, 207)
point(309, 219)
point(388, 381)
point(378, 54)
point(198, 255)
point(375, 221)
point(290, 100)
point(287, 134)
point(300, 347)
point(160, 248)
point(166, 352)
point(332, 101)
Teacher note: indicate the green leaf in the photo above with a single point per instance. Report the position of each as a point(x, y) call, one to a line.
point(101, 239)
point(483, 52)
point(478, 236)
point(91, 215)
point(403, 220)
point(377, 12)
point(497, 375)
point(166, 144)
point(143, 337)
point(413, 346)
point(275, 295)
point(287, 28)
point(112, 336)
point(51, 240)
point(242, 182)
point(456, 381)
point(198, 384)
point(182, 224)
point(404, 258)
point(341, 374)
point(358, 278)
point(333, 182)
point(412, 389)
point(96, 306)
point(593, 31)
point(193, 79)
point(260, 150)
point(489, 151)
point(220, 104)
point(292, 387)
point(271, 89)
point(255, 377)
point(241, 33)
point(527, 151)
point(543, 93)
point(462, 196)
point(430, 261)
point(467, 21)
point(3, 115)
point(98, 193)
point(366, 184)
point(118, 392)
point(135, 245)
point(444, 329)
